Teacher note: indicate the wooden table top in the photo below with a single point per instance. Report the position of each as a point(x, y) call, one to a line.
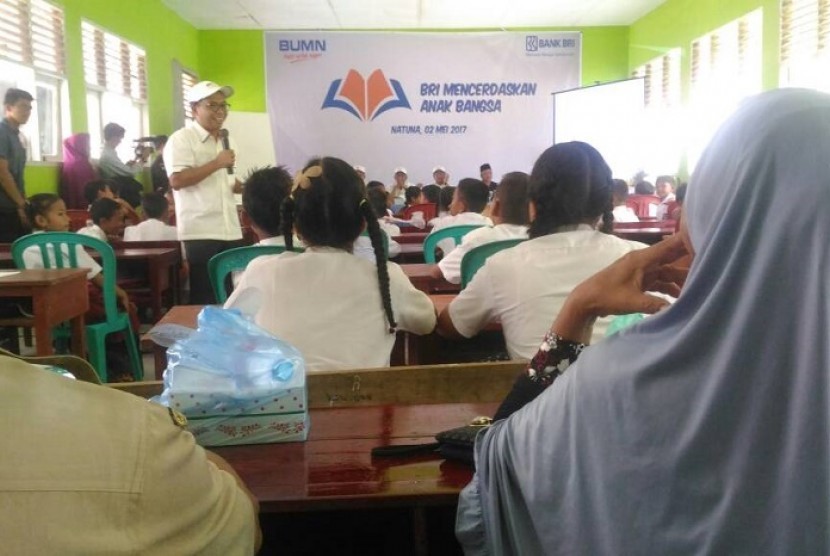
point(412, 237)
point(41, 277)
point(125, 253)
point(421, 276)
point(334, 468)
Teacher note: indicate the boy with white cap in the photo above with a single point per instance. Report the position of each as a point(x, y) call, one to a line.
point(398, 190)
point(200, 160)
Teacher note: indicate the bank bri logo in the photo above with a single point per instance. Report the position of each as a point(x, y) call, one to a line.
point(365, 99)
point(535, 44)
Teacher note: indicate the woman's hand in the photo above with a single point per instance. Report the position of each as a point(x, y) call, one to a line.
point(620, 288)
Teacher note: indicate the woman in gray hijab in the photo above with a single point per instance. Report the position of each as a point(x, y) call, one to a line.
point(704, 429)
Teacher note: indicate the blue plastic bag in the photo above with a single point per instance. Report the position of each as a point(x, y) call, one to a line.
point(235, 382)
point(230, 357)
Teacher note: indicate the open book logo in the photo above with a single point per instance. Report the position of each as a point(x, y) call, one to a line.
point(365, 99)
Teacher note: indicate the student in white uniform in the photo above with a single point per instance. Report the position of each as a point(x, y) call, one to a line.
point(468, 201)
point(339, 310)
point(108, 220)
point(155, 226)
point(263, 194)
point(509, 212)
point(622, 212)
point(569, 198)
point(363, 244)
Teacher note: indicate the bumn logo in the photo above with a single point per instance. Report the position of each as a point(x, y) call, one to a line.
point(365, 99)
point(302, 46)
point(532, 43)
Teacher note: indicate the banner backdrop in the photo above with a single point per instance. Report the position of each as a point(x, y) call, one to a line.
point(417, 100)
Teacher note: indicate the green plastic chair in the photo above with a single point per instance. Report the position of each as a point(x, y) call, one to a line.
point(116, 320)
point(452, 232)
point(222, 264)
point(474, 259)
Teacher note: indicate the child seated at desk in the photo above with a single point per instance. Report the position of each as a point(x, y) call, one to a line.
point(339, 310)
point(570, 205)
point(47, 213)
point(363, 244)
point(107, 220)
point(468, 201)
point(263, 194)
point(108, 189)
point(155, 226)
point(509, 212)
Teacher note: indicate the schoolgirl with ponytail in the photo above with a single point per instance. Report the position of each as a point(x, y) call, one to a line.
point(339, 310)
point(570, 207)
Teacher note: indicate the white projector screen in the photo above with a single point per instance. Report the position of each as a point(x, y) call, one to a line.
point(610, 118)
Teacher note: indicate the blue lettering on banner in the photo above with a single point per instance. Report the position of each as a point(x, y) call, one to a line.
point(436, 105)
point(540, 46)
point(286, 45)
point(487, 94)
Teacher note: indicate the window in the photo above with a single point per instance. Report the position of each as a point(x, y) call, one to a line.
point(663, 113)
point(184, 79)
point(805, 44)
point(188, 80)
point(32, 58)
point(116, 79)
point(726, 68)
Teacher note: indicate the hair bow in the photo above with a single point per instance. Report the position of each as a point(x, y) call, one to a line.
point(303, 179)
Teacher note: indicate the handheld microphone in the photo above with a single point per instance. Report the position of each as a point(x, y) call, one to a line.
point(223, 133)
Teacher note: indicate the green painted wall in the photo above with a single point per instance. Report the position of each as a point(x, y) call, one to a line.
point(237, 58)
point(678, 22)
point(148, 24)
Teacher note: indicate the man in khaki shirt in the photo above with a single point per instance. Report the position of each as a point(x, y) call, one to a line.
point(88, 470)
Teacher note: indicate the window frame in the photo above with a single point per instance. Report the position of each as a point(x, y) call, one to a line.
point(38, 50)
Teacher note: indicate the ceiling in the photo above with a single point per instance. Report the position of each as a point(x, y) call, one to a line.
point(407, 14)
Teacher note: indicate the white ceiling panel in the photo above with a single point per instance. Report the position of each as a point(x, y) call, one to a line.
point(407, 14)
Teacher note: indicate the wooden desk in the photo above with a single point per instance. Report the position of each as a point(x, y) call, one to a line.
point(58, 295)
point(300, 485)
point(421, 276)
point(162, 267)
point(412, 237)
point(411, 253)
point(334, 468)
point(645, 232)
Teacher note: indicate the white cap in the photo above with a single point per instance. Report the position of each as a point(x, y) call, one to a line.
point(402, 170)
point(204, 89)
point(439, 169)
point(360, 168)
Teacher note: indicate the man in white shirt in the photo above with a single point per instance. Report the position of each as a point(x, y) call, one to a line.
point(469, 199)
point(509, 212)
point(397, 191)
point(440, 176)
point(155, 227)
point(201, 176)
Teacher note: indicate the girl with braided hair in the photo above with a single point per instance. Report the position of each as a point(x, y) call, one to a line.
point(570, 208)
point(339, 310)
